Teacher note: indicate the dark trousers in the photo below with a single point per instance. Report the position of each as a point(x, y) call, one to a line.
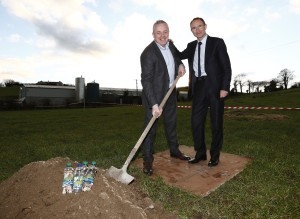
point(203, 98)
point(169, 119)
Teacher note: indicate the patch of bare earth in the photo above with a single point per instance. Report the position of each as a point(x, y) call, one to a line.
point(35, 191)
point(254, 116)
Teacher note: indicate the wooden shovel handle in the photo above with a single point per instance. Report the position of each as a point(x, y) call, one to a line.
point(148, 127)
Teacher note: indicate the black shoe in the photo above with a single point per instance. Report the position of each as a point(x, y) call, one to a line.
point(213, 163)
point(197, 159)
point(180, 156)
point(147, 169)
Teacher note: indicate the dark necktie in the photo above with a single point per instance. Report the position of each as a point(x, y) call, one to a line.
point(199, 66)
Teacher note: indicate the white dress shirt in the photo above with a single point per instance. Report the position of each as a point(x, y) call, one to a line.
point(169, 59)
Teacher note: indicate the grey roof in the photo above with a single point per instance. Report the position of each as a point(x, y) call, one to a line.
point(48, 86)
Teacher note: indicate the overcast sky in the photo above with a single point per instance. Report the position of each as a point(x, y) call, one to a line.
point(101, 40)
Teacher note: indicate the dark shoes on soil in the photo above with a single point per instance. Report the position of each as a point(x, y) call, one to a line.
point(180, 156)
point(213, 163)
point(198, 157)
point(147, 169)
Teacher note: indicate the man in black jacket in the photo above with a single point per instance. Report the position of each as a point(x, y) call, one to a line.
point(209, 84)
point(160, 65)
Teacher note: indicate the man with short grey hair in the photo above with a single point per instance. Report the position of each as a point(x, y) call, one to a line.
point(160, 65)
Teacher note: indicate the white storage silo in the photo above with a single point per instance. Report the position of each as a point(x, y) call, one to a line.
point(79, 89)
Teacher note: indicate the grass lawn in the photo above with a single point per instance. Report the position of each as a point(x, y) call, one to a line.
point(267, 188)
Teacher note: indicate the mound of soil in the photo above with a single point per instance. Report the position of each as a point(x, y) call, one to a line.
point(35, 191)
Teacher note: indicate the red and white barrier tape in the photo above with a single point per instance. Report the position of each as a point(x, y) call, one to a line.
point(250, 108)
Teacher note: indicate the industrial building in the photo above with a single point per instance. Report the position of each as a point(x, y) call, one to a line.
point(47, 95)
point(44, 94)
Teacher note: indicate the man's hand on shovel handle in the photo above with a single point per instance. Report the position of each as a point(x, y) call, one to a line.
point(156, 111)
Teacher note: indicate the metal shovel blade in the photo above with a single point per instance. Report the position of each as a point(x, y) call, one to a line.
point(120, 175)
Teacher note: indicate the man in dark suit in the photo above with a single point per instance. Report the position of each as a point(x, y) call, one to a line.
point(209, 84)
point(160, 65)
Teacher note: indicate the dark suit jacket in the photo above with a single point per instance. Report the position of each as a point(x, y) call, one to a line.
point(155, 77)
point(217, 64)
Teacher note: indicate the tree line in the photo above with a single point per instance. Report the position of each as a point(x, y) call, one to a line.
point(285, 76)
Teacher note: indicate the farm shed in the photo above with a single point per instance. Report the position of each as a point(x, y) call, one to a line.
point(47, 95)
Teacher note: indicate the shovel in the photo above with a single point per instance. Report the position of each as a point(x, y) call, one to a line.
point(120, 174)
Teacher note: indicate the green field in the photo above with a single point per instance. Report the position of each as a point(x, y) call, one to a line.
point(267, 188)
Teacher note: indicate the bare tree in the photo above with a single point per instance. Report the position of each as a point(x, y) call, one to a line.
point(252, 86)
point(235, 83)
point(239, 79)
point(249, 84)
point(255, 84)
point(285, 76)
